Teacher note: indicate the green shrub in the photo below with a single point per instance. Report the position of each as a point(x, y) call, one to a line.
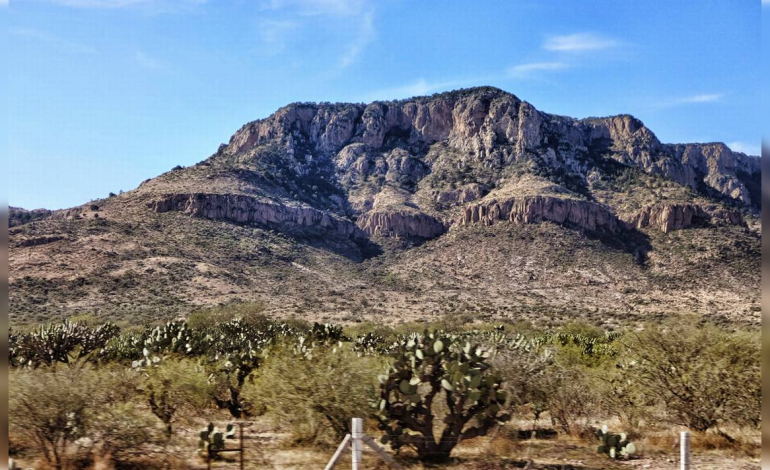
point(704, 375)
point(175, 385)
point(315, 392)
point(50, 409)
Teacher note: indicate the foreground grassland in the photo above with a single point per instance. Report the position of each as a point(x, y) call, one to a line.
point(503, 395)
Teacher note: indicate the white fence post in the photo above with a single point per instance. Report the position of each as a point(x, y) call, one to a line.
point(684, 447)
point(357, 434)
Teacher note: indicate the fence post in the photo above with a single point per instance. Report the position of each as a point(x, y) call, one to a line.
point(684, 450)
point(357, 434)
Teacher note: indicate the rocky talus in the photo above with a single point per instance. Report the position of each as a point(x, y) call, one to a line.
point(535, 209)
point(246, 209)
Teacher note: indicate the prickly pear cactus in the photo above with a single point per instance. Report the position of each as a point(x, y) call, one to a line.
point(437, 366)
point(212, 439)
point(615, 445)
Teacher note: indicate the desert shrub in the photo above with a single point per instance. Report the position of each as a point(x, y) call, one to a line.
point(63, 413)
point(51, 409)
point(525, 378)
point(314, 392)
point(705, 376)
point(571, 398)
point(125, 429)
point(175, 385)
point(251, 313)
point(436, 370)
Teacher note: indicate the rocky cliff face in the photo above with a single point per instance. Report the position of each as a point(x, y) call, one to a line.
point(247, 210)
point(668, 217)
point(400, 224)
point(531, 210)
point(437, 153)
point(496, 128)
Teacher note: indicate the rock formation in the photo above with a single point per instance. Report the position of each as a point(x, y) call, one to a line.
point(245, 209)
point(668, 217)
point(535, 209)
point(400, 224)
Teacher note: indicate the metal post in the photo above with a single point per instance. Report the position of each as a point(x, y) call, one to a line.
point(240, 427)
point(684, 447)
point(357, 433)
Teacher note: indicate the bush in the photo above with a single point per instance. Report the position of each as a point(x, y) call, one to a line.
point(703, 375)
point(176, 385)
point(51, 409)
point(63, 413)
point(314, 393)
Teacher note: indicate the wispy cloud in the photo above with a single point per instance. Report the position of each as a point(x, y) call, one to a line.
point(338, 8)
point(366, 35)
point(3, 3)
point(765, 2)
point(288, 21)
point(52, 40)
point(529, 69)
point(275, 34)
point(156, 6)
point(147, 61)
point(746, 148)
point(579, 42)
point(700, 98)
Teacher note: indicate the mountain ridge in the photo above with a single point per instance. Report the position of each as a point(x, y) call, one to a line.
point(362, 188)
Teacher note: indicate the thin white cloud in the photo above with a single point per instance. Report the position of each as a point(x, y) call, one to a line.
point(60, 43)
point(98, 3)
point(338, 8)
point(579, 42)
point(157, 6)
point(287, 21)
point(146, 61)
point(765, 2)
point(526, 70)
point(746, 148)
point(701, 98)
point(275, 34)
point(366, 35)
point(3, 3)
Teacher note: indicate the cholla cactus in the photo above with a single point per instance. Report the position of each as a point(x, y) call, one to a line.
point(435, 366)
point(615, 445)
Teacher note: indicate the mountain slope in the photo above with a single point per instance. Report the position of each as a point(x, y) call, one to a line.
point(465, 201)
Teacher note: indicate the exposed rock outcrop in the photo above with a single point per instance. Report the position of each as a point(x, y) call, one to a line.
point(489, 126)
point(535, 209)
point(668, 217)
point(245, 209)
point(400, 224)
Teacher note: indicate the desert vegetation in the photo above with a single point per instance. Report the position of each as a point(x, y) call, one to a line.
point(137, 397)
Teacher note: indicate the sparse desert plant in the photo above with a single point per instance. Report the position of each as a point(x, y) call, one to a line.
point(64, 413)
point(570, 397)
point(175, 385)
point(706, 377)
point(314, 395)
point(432, 368)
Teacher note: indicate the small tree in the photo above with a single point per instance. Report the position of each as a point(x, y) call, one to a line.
point(704, 375)
point(51, 408)
point(314, 395)
point(433, 368)
point(174, 385)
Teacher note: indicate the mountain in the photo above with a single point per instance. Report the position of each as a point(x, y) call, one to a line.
point(468, 202)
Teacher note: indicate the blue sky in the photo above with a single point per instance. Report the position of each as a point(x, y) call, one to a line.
point(103, 94)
